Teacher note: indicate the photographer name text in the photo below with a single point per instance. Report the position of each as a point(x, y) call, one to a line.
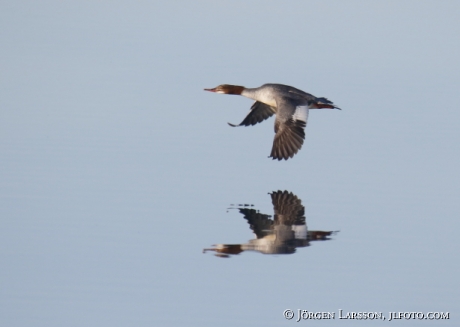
point(342, 314)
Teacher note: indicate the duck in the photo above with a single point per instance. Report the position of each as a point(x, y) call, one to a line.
point(282, 233)
point(290, 106)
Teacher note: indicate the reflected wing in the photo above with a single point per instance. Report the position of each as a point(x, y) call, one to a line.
point(259, 112)
point(260, 224)
point(288, 208)
point(290, 126)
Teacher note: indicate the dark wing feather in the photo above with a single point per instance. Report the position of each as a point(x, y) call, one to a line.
point(291, 120)
point(288, 208)
point(259, 112)
point(288, 139)
point(260, 224)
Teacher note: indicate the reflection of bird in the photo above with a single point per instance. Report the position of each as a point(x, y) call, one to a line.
point(282, 235)
point(291, 107)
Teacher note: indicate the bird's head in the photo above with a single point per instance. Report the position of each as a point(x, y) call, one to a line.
point(227, 89)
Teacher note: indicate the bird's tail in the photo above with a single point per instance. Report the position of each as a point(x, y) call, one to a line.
point(323, 103)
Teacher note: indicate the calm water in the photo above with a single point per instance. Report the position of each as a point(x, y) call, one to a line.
point(117, 169)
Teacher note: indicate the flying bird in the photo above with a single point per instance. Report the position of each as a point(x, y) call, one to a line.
point(290, 105)
point(281, 234)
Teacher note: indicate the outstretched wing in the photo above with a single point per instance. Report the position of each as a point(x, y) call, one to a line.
point(288, 208)
point(290, 123)
point(259, 112)
point(260, 224)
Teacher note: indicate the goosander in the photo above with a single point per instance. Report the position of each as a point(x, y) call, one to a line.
point(291, 107)
point(283, 234)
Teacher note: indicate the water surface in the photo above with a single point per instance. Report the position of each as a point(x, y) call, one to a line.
point(117, 169)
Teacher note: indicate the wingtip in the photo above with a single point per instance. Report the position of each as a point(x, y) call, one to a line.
point(232, 125)
point(278, 158)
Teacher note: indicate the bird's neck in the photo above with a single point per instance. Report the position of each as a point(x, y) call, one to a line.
point(260, 94)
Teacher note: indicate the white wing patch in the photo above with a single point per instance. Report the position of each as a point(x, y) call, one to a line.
point(301, 113)
point(300, 231)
